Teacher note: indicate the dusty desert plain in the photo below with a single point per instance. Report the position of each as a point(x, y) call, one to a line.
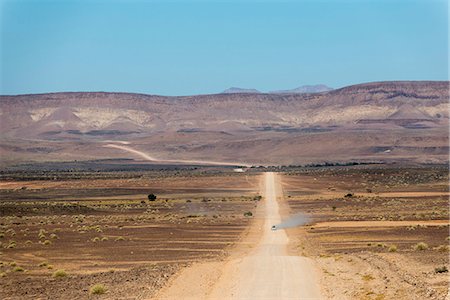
point(371, 231)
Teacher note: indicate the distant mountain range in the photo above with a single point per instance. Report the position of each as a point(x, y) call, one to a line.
point(304, 89)
point(389, 121)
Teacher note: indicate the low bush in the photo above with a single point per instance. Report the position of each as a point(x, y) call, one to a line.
point(421, 246)
point(442, 269)
point(98, 289)
point(59, 274)
point(43, 264)
point(392, 248)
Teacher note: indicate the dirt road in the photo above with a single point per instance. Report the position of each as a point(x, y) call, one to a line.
point(266, 272)
point(173, 161)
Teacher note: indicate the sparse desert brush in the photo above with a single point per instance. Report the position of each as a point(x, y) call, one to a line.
point(3, 274)
point(28, 242)
point(43, 264)
point(105, 238)
point(11, 245)
point(421, 246)
point(47, 242)
point(59, 273)
point(53, 236)
point(442, 269)
point(2, 235)
point(392, 248)
point(120, 238)
point(18, 269)
point(50, 267)
point(98, 289)
point(96, 239)
point(368, 277)
point(13, 264)
point(248, 214)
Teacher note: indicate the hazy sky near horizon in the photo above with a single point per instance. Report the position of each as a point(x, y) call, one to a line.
point(196, 47)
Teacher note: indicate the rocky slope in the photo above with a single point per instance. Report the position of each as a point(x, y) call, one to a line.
point(255, 119)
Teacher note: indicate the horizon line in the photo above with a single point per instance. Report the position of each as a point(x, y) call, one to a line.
point(276, 92)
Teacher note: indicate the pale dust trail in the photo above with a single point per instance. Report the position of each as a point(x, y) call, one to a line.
point(267, 272)
point(174, 161)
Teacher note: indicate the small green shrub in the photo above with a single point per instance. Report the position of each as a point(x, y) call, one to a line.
point(442, 269)
point(18, 269)
point(421, 246)
point(98, 289)
point(43, 264)
point(368, 277)
point(248, 214)
point(392, 248)
point(59, 274)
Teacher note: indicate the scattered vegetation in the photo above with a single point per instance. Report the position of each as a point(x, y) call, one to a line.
point(392, 248)
point(151, 197)
point(18, 269)
point(368, 277)
point(43, 264)
point(98, 289)
point(59, 273)
point(421, 246)
point(442, 269)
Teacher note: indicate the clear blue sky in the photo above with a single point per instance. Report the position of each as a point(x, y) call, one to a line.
point(192, 47)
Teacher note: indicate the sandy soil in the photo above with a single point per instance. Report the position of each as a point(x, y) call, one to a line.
point(366, 243)
point(127, 243)
point(381, 223)
point(266, 272)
